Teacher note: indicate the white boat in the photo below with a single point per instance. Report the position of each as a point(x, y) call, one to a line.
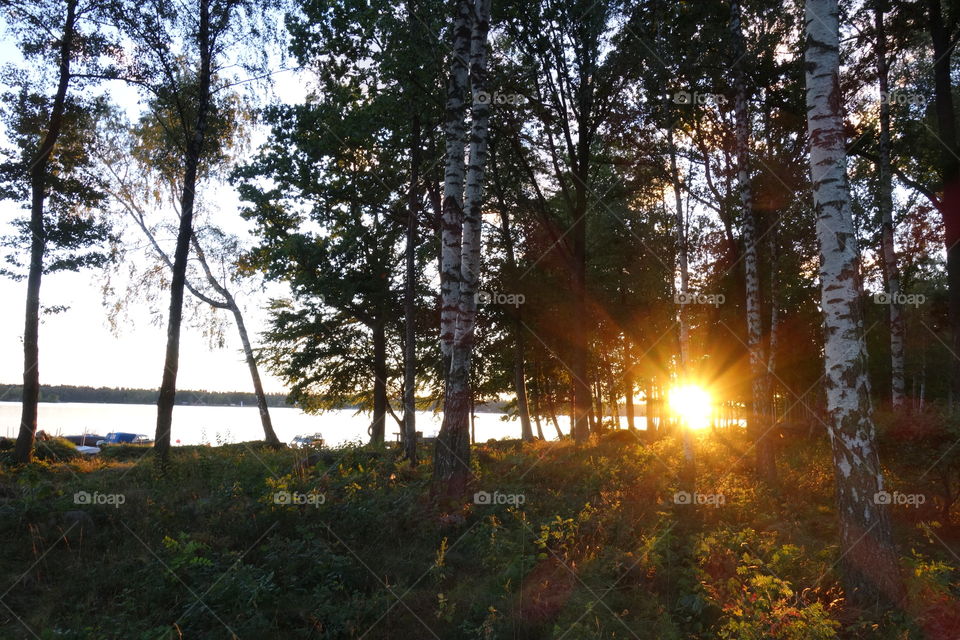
point(312, 440)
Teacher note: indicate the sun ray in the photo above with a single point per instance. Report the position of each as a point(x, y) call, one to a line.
point(692, 404)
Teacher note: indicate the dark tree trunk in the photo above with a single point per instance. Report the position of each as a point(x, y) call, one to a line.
point(23, 451)
point(519, 373)
point(582, 400)
point(409, 302)
point(628, 385)
point(268, 433)
point(377, 427)
point(230, 304)
point(168, 386)
point(949, 170)
point(596, 418)
point(688, 470)
point(614, 400)
point(891, 270)
point(552, 408)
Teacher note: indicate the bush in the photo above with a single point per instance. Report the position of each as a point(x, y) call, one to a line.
point(125, 452)
point(55, 450)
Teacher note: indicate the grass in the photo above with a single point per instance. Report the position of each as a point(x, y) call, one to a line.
point(577, 542)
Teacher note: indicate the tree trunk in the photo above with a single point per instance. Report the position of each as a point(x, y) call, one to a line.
point(582, 401)
point(378, 426)
point(949, 172)
point(23, 450)
point(596, 419)
point(891, 270)
point(168, 386)
point(758, 424)
point(452, 459)
point(519, 373)
point(537, 399)
point(648, 409)
point(268, 433)
point(410, 302)
point(552, 408)
point(868, 558)
point(455, 129)
point(628, 386)
point(688, 472)
point(614, 400)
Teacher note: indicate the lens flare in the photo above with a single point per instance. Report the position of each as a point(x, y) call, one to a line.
point(692, 404)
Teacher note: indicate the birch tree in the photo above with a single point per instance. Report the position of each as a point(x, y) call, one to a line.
point(455, 130)
point(451, 462)
point(759, 416)
point(868, 557)
point(891, 270)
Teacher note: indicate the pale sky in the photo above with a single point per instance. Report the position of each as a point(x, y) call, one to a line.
point(77, 346)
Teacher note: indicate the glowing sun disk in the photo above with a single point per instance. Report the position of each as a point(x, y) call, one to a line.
point(692, 404)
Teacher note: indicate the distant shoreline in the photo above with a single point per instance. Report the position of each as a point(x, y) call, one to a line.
point(185, 397)
point(111, 395)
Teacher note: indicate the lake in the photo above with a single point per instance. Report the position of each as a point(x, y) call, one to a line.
point(201, 425)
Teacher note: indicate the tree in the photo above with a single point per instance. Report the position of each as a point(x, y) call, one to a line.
point(140, 182)
point(891, 270)
point(51, 132)
point(869, 559)
point(346, 171)
point(451, 460)
point(942, 34)
point(758, 419)
point(162, 35)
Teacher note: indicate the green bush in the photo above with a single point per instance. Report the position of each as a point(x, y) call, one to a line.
point(55, 450)
point(125, 452)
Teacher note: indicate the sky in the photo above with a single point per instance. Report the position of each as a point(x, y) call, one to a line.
point(77, 347)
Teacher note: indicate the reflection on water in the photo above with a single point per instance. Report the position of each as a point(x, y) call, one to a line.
point(196, 425)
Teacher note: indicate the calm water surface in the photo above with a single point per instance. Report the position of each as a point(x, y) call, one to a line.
point(199, 425)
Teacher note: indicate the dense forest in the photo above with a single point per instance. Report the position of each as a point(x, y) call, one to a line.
point(704, 255)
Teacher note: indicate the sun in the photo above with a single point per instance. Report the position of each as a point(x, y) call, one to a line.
point(692, 404)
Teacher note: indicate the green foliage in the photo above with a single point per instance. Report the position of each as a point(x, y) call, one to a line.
point(49, 450)
point(77, 236)
point(594, 550)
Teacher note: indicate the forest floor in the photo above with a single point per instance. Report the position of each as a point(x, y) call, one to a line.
point(559, 541)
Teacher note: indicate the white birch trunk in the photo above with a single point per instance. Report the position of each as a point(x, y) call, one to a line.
point(452, 460)
point(758, 417)
point(455, 129)
point(868, 558)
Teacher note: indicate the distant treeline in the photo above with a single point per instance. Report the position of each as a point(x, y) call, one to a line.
point(62, 393)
